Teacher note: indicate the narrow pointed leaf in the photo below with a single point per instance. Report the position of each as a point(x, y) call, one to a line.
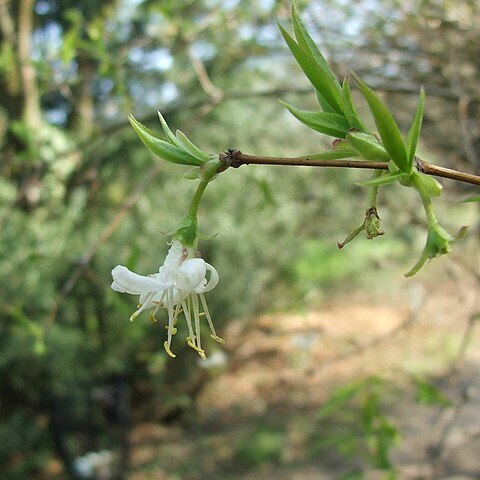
point(160, 147)
point(384, 179)
point(326, 107)
point(387, 128)
point(190, 147)
point(306, 42)
point(476, 198)
point(367, 145)
point(168, 132)
point(318, 77)
point(349, 108)
point(335, 154)
point(327, 123)
point(414, 132)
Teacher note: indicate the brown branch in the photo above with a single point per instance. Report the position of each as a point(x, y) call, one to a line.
point(31, 107)
point(429, 169)
point(235, 158)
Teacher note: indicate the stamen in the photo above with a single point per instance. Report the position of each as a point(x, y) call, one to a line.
point(197, 319)
point(170, 318)
point(218, 339)
point(153, 313)
point(209, 319)
point(166, 346)
point(140, 309)
point(178, 311)
point(200, 352)
point(188, 319)
point(174, 330)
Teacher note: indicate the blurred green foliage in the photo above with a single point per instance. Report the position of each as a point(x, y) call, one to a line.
point(80, 194)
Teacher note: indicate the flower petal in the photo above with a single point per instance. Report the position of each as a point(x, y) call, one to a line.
point(176, 254)
point(212, 283)
point(190, 274)
point(127, 281)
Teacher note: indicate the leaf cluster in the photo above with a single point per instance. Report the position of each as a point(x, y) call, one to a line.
point(339, 118)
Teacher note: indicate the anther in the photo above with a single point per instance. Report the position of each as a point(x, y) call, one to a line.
point(166, 346)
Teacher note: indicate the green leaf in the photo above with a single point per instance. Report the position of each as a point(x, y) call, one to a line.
point(160, 147)
point(190, 147)
point(384, 179)
point(476, 198)
point(306, 42)
point(414, 132)
point(432, 186)
point(368, 146)
point(168, 132)
point(341, 397)
point(429, 394)
point(387, 128)
point(319, 78)
point(323, 122)
point(349, 108)
point(326, 107)
point(355, 475)
point(337, 153)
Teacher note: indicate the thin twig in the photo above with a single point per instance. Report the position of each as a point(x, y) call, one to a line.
point(208, 87)
point(235, 158)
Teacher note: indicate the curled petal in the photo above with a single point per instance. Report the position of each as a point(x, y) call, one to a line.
point(191, 274)
point(212, 283)
point(176, 254)
point(127, 281)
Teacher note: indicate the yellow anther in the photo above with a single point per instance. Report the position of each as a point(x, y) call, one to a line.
point(152, 317)
point(199, 350)
point(218, 339)
point(174, 330)
point(139, 306)
point(133, 316)
point(166, 346)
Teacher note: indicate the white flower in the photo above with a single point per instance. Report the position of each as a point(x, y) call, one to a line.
point(179, 286)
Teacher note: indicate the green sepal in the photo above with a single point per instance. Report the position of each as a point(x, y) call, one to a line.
point(387, 128)
point(414, 132)
point(327, 123)
point(319, 77)
point(367, 145)
point(432, 186)
point(349, 109)
point(438, 243)
point(190, 147)
point(385, 179)
point(187, 231)
point(160, 147)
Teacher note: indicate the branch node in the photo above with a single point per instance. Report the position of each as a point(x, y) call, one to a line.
point(230, 158)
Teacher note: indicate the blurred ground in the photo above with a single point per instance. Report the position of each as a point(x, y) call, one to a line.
point(257, 415)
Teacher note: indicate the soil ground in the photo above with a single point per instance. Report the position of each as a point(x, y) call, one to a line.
point(257, 415)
